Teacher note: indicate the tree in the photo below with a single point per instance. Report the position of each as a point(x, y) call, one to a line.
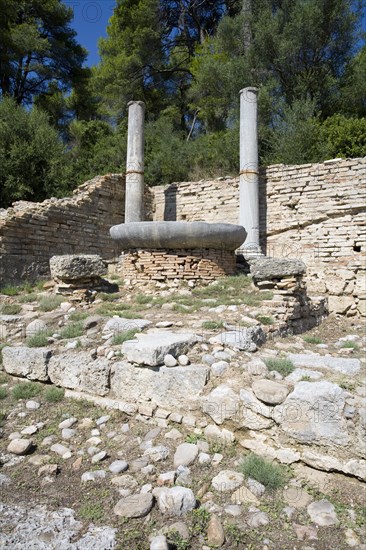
point(32, 159)
point(37, 47)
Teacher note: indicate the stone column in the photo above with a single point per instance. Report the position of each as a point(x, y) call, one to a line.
point(249, 199)
point(134, 199)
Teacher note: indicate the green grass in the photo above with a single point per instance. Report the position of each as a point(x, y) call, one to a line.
point(49, 303)
point(78, 315)
point(10, 290)
point(10, 309)
point(38, 340)
point(212, 325)
point(54, 394)
point(111, 309)
point(281, 365)
point(109, 297)
point(129, 314)
point(120, 337)
point(272, 476)
point(310, 339)
point(265, 319)
point(200, 518)
point(143, 299)
point(26, 390)
point(349, 344)
point(3, 393)
point(28, 298)
point(3, 377)
point(91, 511)
point(73, 330)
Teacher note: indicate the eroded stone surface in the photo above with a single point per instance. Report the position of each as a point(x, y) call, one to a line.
point(80, 371)
point(150, 349)
point(31, 363)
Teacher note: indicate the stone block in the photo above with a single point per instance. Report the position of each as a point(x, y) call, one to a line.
point(150, 349)
point(31, 363)
point(74, 267)
point(77, 371)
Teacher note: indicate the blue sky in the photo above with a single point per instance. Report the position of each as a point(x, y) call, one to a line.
point(90, 22)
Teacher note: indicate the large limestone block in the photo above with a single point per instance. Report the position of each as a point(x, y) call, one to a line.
point(164, 386)
point(32, 363)
point(72, 267)
point(78, 371)
point(221, 404)
point(245, 339)
point(150, 349)
point(340, 304)
point(315, 360)
point(312, 414)
point(264, 269)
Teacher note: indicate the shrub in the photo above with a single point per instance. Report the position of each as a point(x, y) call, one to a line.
point(54, 394)
point(38, 340)
point(120, 337)
point(272, 476)
point(10, 309)
point(73, 330)
point(49, 303)
point(10, 290)
point(281, 365)
point(26, 390)
point(3, 393)
point(78, 316)
point(310, 339)
point(212, 325)
point(348, 344)
point(265, 320)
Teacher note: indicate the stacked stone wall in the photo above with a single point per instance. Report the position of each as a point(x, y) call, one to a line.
point(314, 212)
point(141, 266)
point(30, 233)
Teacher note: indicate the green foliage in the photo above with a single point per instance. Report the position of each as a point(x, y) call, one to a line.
point(272, 476)
point(49, 303)
point(3, 393)
point(10, 309)
point(200, 518)
point(343, 136)
point(212, 325)
point(349, 344)
point(31, 155)
point(54, 394)
point(38, 340)
point(120, 337)
point(91, 511)
point(28, 298)
point(281, 365)
point(78, 315)
point(265, 319)
point(40, 48)
point(10, 290)
point(26, 390)
point(73, 330)
point(310, 339)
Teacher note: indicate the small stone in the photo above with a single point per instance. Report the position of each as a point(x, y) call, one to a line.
point(95, 432)
point(180, 527)
point(164, 324)
point(216, 459)
point(68, 423)
point(176, 417)
point(5, 480)
point(48, 469)
point(185, 454)
point(183, 360)
point(322, 512)
point(305, 532)
point(204, 458)
point(125, 482)
point(233, 510)
point(170, 361)
point(93, 476)
point(176, 501)
point(29, 430)
point(166, 479)
point(162, 413)
point(118, 466)
point(138, 463)
point(159, 543)
point(271, 393)
point(76, 465)
point(208, 359)
point(134, 506)
point(67, 433)
point(99, 457)
point(148, 470)
point(219, 368)
point(215, 532)
point(20, 446)
point(156, 454)
point(102, 420)
point(32, 405)
point(61, 450)
point(351, 538)
point(38, 460)
point(222, 355)
point(174, 434)
point(244, 496)
point(255, 487)
point(15, 435)
point(95, 441)
point(258, 519)
point(227, 480)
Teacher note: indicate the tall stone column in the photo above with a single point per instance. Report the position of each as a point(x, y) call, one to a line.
point(134, 199)
point(249, 195)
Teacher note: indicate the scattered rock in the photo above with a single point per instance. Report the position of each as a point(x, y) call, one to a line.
point(185, 454)
point(227, 480)
point(20, 446)
point(322, 512)
point(215, 532)
point(270, 392)
point(170, 361)
point(134, 506)
point(150, 349)
point(176, 501)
